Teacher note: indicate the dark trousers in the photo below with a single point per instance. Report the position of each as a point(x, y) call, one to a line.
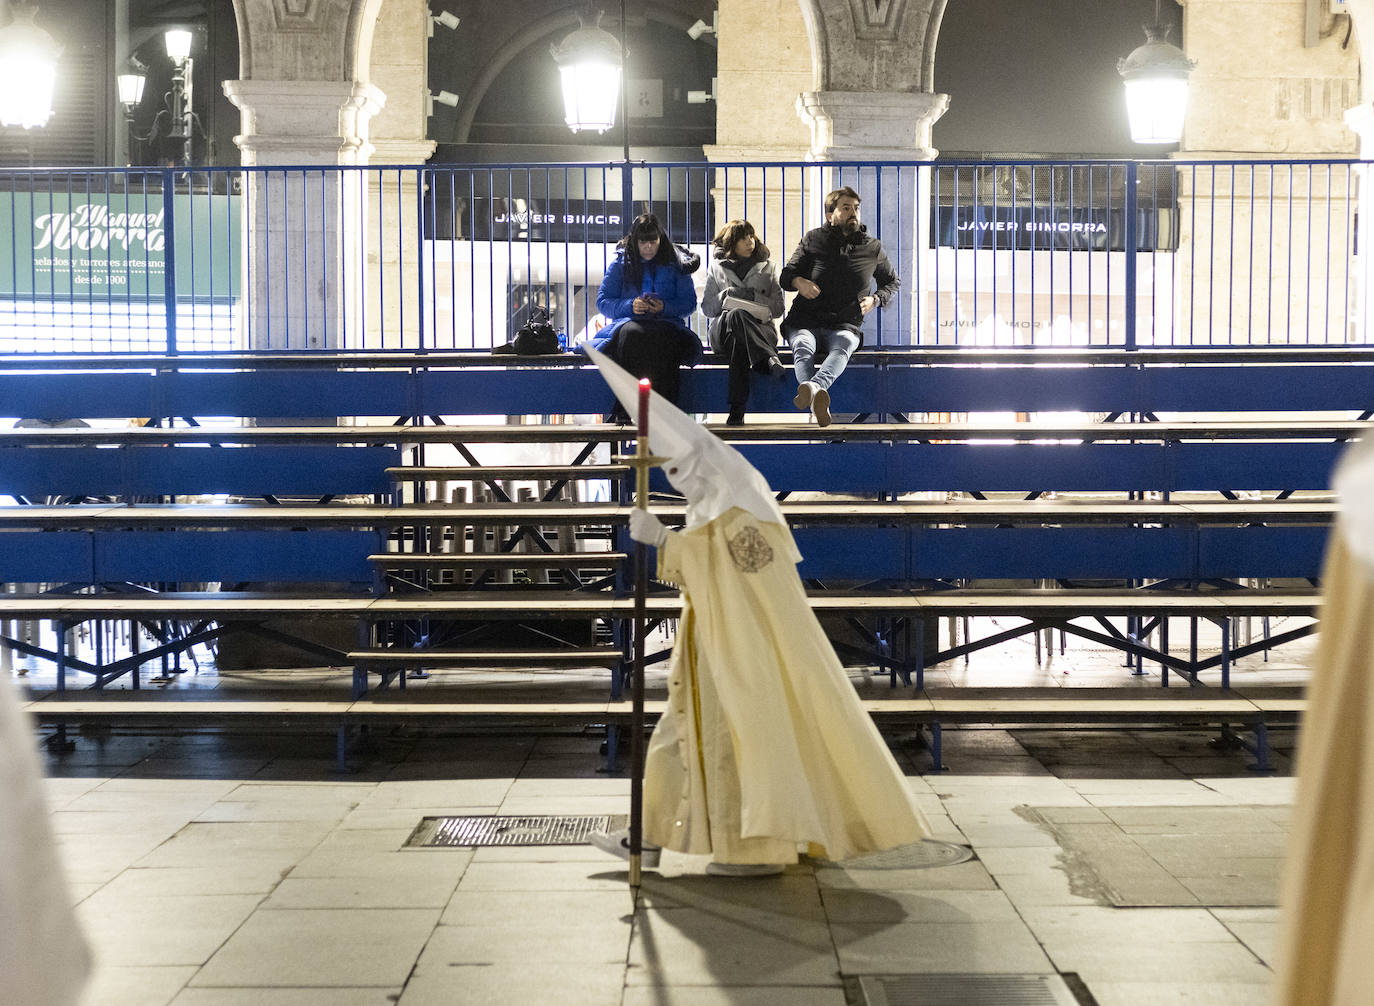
point(748, 344)
point(650, 348)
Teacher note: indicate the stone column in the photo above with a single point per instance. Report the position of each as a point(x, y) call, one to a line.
point(849, 126)
point(1264, 252)
point(304, 231)
point(305, 99)
point(395, 297)
point(1360, 120)
point(1361, 330)
point(865, 77)
point(762, 62)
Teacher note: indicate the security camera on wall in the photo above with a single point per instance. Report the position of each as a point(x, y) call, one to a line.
point(701, 28)
point(448, 19)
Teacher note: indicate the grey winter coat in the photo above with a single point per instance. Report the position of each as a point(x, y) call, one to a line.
point(760, 284)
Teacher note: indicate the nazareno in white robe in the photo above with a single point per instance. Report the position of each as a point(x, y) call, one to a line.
point(1326, 923)
point(764, 746)
point(44, 959)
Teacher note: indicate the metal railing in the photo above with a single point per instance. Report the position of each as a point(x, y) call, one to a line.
point(1090, 254)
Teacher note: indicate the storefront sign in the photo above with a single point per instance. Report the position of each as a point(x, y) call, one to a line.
point(78, 245)
point(577, 221)
point(1043, 228)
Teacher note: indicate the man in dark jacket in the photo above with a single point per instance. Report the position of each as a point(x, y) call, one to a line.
point(833, 271)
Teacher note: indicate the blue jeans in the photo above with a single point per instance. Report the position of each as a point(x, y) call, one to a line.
point(835, 346)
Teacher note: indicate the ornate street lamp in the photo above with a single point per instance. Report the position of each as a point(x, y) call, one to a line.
point(28, 71)
point(130, 87)
point(591, 64)
point(1156, 76)
point(178, 42)
point(590, 61)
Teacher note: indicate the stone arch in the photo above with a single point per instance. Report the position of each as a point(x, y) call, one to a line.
point(362, 22)
point(528, 36)
point(874, 45)
point(323, 40)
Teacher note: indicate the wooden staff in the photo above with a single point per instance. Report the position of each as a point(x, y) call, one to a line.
point(641, 461)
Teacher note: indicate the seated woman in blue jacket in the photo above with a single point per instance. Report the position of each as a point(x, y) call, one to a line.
point(648, 295)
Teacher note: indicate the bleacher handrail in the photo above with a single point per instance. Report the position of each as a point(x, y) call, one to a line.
point(1047, 253)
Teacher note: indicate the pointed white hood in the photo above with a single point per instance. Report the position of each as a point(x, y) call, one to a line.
point(709, 472)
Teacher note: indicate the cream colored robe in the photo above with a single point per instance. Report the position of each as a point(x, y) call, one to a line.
point(1326, 939)
point(764, 746)
point(43, 956)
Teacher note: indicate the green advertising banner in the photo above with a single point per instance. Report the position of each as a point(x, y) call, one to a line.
point(83, 245)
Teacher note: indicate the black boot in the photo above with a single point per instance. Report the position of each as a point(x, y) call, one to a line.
point(736, 416)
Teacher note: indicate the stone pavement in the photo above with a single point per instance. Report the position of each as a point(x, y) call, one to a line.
point(226, 869)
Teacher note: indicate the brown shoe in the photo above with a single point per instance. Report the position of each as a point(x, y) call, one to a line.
point(804, 391)
point(820, 406)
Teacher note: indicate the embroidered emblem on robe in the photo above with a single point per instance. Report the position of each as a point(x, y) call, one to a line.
point(750, 551)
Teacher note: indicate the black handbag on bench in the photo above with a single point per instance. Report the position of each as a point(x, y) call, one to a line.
point(534, 338)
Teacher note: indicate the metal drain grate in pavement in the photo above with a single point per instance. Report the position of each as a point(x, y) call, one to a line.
point(916, 856)
point(965, 990)
point(488, 829)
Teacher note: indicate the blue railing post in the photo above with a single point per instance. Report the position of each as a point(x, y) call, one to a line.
point(1132, 239)
point(169, 258)
point(419, 253)
point(627, 195)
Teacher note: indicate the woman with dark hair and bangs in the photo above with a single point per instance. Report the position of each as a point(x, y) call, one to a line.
point(742, 297)
point(648, 295)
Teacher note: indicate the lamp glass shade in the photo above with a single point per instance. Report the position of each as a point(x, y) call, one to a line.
point(28, 72)
point(591, 92)
point(1156, 107)
point(130, 88)
point(590, 62)
point(178, 44)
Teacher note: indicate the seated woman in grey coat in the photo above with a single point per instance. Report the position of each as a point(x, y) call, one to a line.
point(742, 297)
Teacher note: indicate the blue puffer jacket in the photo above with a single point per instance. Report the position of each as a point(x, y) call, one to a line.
point(672, 283)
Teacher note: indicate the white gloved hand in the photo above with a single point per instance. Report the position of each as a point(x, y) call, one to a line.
point(646, 528)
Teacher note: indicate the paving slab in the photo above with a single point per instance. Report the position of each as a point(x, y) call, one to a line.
point(849, 907)
point(124, 985)
point(320, 948)
point(162, 931)
point(440, 866)
point(698, 995)
point(1110, 993)
point(235, 876)
point(570, 876)
point(1161, 962)
point(970, 876)
point(689, 946)
point(287, 997)
point(1198, 820)
point(362, 892)
point(531, 982)
point(1068, 926)
point(762, 901)
point(939, 948)
point(1120, 868)
point(1057, 887)
point(536, 910)
point(500, 944)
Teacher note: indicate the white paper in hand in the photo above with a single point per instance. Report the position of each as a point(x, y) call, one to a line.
point(732, 303)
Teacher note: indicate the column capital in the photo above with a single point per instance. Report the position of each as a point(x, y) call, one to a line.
point(871, 125)
point(402, 151)
point(304, 121)
point(1361, 120)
